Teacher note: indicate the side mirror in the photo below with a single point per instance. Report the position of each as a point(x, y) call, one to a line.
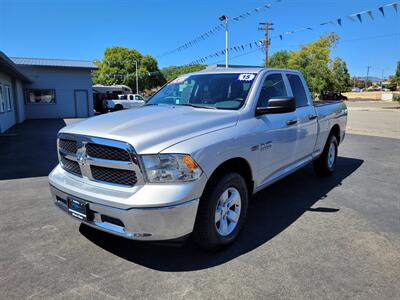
point(277, 105)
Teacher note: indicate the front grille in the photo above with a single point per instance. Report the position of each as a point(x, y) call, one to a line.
point(117, 176)
point(107, 152)
point(68, 145)
point(71, 166)
point(99, 159)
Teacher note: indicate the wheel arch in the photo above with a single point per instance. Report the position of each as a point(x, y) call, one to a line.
point(237, 164)
point(335, 130)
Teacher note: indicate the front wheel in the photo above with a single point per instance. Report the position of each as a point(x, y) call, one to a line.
point(326, 163)
point(222, 211)
point(118, 107)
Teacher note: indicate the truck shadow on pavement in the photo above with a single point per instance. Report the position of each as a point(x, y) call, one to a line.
point(270, 212)
point(29, 149)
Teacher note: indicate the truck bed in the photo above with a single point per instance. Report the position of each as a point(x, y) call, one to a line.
point(318, 103)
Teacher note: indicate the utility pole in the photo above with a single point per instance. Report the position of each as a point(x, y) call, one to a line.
point(366, 81)
point(137, 78)
point(225, 18)
point(267, 28)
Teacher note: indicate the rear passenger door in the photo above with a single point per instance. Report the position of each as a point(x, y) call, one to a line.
point(307, 127)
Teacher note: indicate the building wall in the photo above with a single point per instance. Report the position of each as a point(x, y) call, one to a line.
point(65, 81)
point(7, 118)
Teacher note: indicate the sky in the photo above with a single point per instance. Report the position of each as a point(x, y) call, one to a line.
point(82, 29)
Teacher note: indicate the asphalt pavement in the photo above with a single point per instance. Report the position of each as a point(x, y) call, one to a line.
point(374, 118)
point(305, 237)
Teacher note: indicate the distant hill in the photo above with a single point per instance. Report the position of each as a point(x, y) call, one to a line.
point(372, 78)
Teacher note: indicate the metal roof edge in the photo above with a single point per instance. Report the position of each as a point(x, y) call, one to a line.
point(12, 67)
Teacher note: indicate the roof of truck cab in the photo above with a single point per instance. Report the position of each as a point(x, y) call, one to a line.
point(230, 70)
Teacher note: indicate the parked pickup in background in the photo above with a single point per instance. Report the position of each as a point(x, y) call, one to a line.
point(124, 102)
point(188, 162)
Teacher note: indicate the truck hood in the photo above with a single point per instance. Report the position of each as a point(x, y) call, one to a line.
point(151, 129)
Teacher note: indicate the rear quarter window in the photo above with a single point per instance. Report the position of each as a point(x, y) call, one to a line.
point(298, 90)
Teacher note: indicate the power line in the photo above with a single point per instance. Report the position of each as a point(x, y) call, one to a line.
point(338, 21)
point(297, 45)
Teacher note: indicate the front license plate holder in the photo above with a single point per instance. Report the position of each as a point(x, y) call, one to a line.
point(77, 208)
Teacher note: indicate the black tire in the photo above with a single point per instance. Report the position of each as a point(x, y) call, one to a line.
point(322, 166)
point(205, 232)
point(118, 107)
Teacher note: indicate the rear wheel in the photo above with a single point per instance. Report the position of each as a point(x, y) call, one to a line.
point(222, 212)
point(326, 163)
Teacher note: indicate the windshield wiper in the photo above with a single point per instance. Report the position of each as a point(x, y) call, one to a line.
point(197, 106)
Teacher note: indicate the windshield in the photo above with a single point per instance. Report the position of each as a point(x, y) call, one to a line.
point(222, 91)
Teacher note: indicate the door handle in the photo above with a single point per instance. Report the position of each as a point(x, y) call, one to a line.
point(291, 122)
point(312, 117)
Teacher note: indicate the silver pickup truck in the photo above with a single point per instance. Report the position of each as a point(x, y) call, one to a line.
point(188, 162)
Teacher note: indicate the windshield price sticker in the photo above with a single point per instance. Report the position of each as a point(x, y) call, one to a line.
point(246, 77)
point(178, 80)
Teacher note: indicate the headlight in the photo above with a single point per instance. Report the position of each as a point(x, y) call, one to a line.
point(170, 168)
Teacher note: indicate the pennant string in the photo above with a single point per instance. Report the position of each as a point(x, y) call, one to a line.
point(260, 43)
point(214, 30)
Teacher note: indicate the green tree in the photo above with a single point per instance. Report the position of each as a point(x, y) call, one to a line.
point(118, 67)
point(341, 76)
point(321, 72)
point(279, 60)
point(172, 72)
point(395, 79)
point(313, 61)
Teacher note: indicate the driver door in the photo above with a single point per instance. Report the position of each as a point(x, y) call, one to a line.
point(276, 133)
point(131, 101)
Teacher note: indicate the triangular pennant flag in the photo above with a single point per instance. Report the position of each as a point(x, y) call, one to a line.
point(381, 10)
point(280, 36)
point(350, 18)
point(394, 5)
point(370, 14)
point(359, 17)
point(339, 21)
point(251, 47)
point(309, 28)
point(236, 18)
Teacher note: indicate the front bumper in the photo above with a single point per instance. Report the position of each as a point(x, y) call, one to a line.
point(151, 223)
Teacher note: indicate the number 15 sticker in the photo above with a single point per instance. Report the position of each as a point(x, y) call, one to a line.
point(246, 77)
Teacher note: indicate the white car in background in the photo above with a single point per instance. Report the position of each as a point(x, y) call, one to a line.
point(124, 102)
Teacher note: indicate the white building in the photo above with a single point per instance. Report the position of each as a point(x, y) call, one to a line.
point(33, 88)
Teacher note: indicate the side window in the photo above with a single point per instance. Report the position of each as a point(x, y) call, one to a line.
point(298, 90)
point(273, 87)
point(130, 97)
point(2, 108)
point(8, 97)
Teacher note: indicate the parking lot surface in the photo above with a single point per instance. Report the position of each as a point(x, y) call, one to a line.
point(305, 237)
